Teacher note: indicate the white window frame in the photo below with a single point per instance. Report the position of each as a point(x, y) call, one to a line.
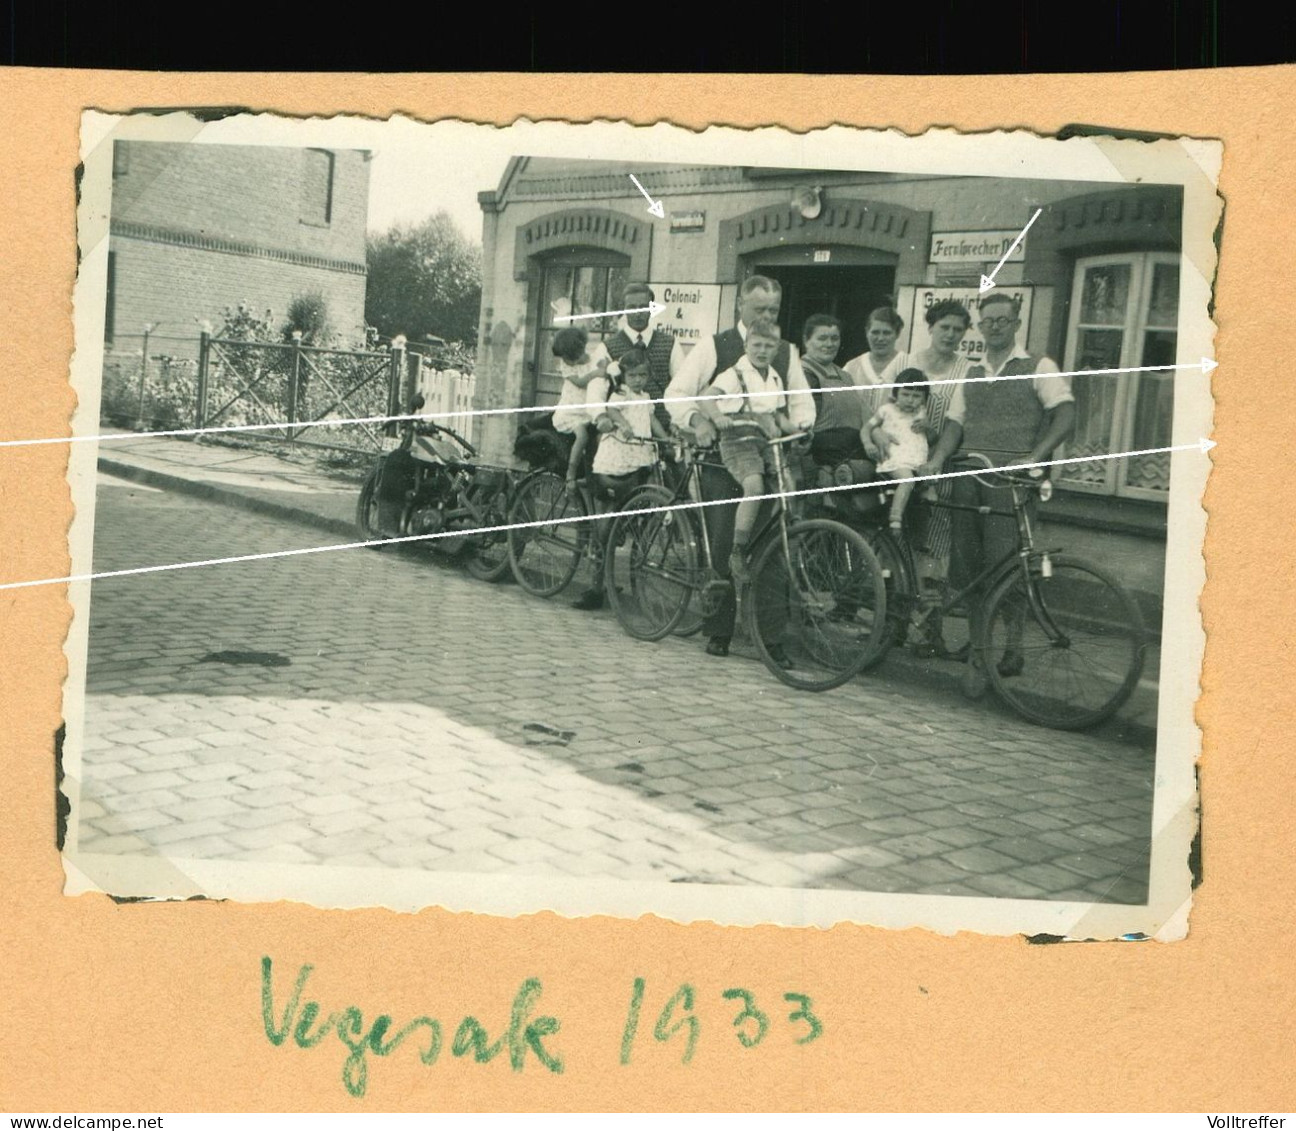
point(1141, 264)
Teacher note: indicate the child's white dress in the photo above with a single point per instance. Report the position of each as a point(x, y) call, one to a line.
point(614, 455)
point(571, 412)
point(909, 449)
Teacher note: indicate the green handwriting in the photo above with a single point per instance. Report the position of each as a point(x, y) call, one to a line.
point(751, 1025)
point(380, 1039)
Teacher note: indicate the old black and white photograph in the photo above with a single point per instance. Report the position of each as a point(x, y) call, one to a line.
point(737, 526)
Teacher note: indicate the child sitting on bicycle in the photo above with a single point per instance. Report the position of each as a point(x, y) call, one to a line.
point(746, 425)
point(624, 453)
point(578, 364)
point(902, 423)
point(620, 408)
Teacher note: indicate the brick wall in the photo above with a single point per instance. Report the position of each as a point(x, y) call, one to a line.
point(249, 193)
point(198, 228)
point(177, 288)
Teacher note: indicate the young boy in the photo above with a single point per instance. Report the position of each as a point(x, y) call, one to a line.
point(746, 425)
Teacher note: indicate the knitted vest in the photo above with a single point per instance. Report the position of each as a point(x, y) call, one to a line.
point(1004, 418)
point(729, 347)
point(660, 346)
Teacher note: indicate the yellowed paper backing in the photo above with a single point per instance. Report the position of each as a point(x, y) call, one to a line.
point(152, 1007)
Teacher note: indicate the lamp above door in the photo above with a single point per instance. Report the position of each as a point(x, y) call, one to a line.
point(808, 200)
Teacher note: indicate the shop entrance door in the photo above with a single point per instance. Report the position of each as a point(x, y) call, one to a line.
point(847, 293)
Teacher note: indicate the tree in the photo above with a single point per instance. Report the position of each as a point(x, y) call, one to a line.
point(424, 279)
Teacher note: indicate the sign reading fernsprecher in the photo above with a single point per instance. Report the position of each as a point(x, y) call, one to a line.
point(976, 247)
point(692, 310)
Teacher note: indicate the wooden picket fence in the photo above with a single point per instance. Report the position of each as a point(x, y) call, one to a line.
point(447, 391)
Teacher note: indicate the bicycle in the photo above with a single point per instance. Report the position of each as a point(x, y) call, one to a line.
point(431, 484)
point(813, 604)
point(546, 555)
point(1060, 641)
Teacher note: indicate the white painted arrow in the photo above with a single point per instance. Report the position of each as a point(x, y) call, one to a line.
point(653, 308)
point(987, 281)
point(654, 206)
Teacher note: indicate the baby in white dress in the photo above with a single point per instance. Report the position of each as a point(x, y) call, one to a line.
point(902, 422)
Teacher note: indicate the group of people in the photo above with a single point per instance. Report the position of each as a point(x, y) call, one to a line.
point(742, 387)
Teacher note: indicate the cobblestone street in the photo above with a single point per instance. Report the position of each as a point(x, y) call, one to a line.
point(402, 714)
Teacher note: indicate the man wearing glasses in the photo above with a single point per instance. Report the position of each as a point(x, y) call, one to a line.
point(1013, 422)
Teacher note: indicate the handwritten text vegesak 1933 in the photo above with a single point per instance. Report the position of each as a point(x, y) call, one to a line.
point(527, 1031)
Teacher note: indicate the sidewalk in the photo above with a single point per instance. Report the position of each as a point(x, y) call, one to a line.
point(258, 481)
point(268, 484)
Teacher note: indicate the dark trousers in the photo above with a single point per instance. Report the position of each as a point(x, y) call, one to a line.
point(981, 540)
point(717, 483)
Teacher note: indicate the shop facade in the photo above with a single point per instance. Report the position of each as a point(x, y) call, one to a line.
point(1096, 280)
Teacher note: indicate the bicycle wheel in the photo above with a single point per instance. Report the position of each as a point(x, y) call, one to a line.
point(545, 557)
point(651, 564)
point(1063, 650)
point(488, 552)
point(367, 511)
point(795, 599)
point(901, 588)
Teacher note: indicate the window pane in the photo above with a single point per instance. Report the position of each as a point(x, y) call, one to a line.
point(1096, 399)
point(1105, 296)
point(1153, 415)
point(556, 294)
point(583, 295)
point(618, 277)
point(1099, 349)
point(1163, 301)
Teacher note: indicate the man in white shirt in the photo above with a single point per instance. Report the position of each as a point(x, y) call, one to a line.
point(758, 296)
point(1016, 421)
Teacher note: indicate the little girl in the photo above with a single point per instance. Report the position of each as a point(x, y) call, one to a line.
point(622, 452)
point(902, 421)
point(578, 363)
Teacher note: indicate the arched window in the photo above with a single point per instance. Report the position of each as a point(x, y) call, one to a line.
point(575, 281)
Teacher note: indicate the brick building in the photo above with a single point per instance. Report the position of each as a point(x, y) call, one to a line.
point(1097, 280)
point(198, 228)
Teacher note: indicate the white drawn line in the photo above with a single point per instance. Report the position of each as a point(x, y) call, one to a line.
point(654, 206)
point(1206, 365)
point(1202, 445)
point(988, 281)
point(654, 308)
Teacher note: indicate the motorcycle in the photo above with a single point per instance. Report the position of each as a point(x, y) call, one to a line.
point(431, 485)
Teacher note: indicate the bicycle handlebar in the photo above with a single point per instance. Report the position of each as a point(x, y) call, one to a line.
point(431, 428)
point(689, 438)
point(1033, 477)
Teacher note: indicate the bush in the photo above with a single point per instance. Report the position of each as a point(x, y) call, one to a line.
point(170, 392)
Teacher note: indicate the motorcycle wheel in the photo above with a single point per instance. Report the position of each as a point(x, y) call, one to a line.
point(367, 513)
